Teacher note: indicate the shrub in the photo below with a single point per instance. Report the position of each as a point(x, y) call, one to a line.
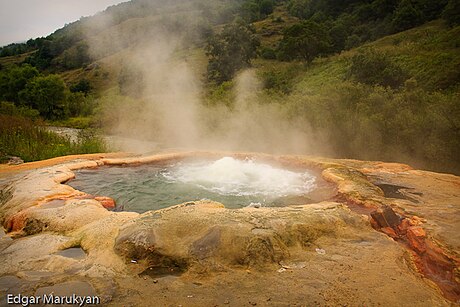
point(304, 41)
point(281, 80)
point(406, 16)
point(82, 86)
point(14, 80)
point(268, 53)
point(47, 95)
point(376, 68)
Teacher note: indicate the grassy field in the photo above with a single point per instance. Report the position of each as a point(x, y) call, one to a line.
point(31, 141)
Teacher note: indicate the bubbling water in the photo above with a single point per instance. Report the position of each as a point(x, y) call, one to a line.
point(229, 176)
point(232, 182)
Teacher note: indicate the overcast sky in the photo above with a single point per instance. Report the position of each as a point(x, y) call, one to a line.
point(24, 19)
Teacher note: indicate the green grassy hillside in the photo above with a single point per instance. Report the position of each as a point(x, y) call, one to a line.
point(416, 123)
point(429, 54)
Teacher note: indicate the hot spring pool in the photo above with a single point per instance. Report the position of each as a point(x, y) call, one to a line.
point(235, 183)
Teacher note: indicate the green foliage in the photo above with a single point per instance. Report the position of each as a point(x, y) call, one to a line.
point(13, 49)
point(24, 138)
point(253, 10)
point(376, 68)
point(431, 9)
point(268, 53)
point(9, 108)
point(304, 41)
point(19, 48)
point(352, 41)
point(300, 8)
point(339, 34)
point(79, 122)
point(47, 94)
point(266, 7)
point(89, 141)
point(281, 80)
point(406, 16)
point(82, 86)
point(305, 9)
point(351, 23)
point(79, 104)
point(451, 13)
point(221, 94)
point(230, 51)
point(361, 103)
point(63, 42)
point(77, 56)
point(43, 56)
point(372, 122)
point(14, 80)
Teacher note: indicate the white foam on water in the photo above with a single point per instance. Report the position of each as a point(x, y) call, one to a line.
point(229, 176)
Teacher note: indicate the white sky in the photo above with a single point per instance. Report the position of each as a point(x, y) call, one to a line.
point(24, 19)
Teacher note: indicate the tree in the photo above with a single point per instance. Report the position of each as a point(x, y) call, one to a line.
point(82, 86)
point(14, 80)
point(304, 41)
point(77, 56)
point(431, 9)
point(376, 68)
point(231, 51)
point(47, 94)
point(451, 13)
point(406, 16)
point(338, 34)
point(266, 7)
point(300, 8)
point(252, 10)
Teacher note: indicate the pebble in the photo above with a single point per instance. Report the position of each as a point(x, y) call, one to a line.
point(281, 270)
point(320, 251)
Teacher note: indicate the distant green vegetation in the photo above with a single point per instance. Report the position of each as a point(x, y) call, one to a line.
point(372, 67)
point(376, 79)
point(323, 26)
point(395, 99)
point(304, 41)
point(30, 140)
point(373, 122)
point(230, 51)
point(26, 87)
point(252, 10)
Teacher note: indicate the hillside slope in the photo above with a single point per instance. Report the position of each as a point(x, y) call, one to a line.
point(368, 94)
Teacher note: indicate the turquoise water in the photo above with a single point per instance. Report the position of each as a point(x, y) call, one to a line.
point(235, 183)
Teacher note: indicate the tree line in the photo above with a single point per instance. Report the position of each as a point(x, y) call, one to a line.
point(25, 87)
point(324, 27)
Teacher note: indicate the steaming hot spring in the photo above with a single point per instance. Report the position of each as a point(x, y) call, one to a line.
point(199, 228)
point(233, 182)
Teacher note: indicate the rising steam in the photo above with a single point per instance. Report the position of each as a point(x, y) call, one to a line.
point(169, 109)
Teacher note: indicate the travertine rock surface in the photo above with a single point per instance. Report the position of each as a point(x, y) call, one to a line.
point(371, 244)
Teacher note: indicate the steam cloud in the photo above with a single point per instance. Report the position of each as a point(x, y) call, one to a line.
point(172, 113)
